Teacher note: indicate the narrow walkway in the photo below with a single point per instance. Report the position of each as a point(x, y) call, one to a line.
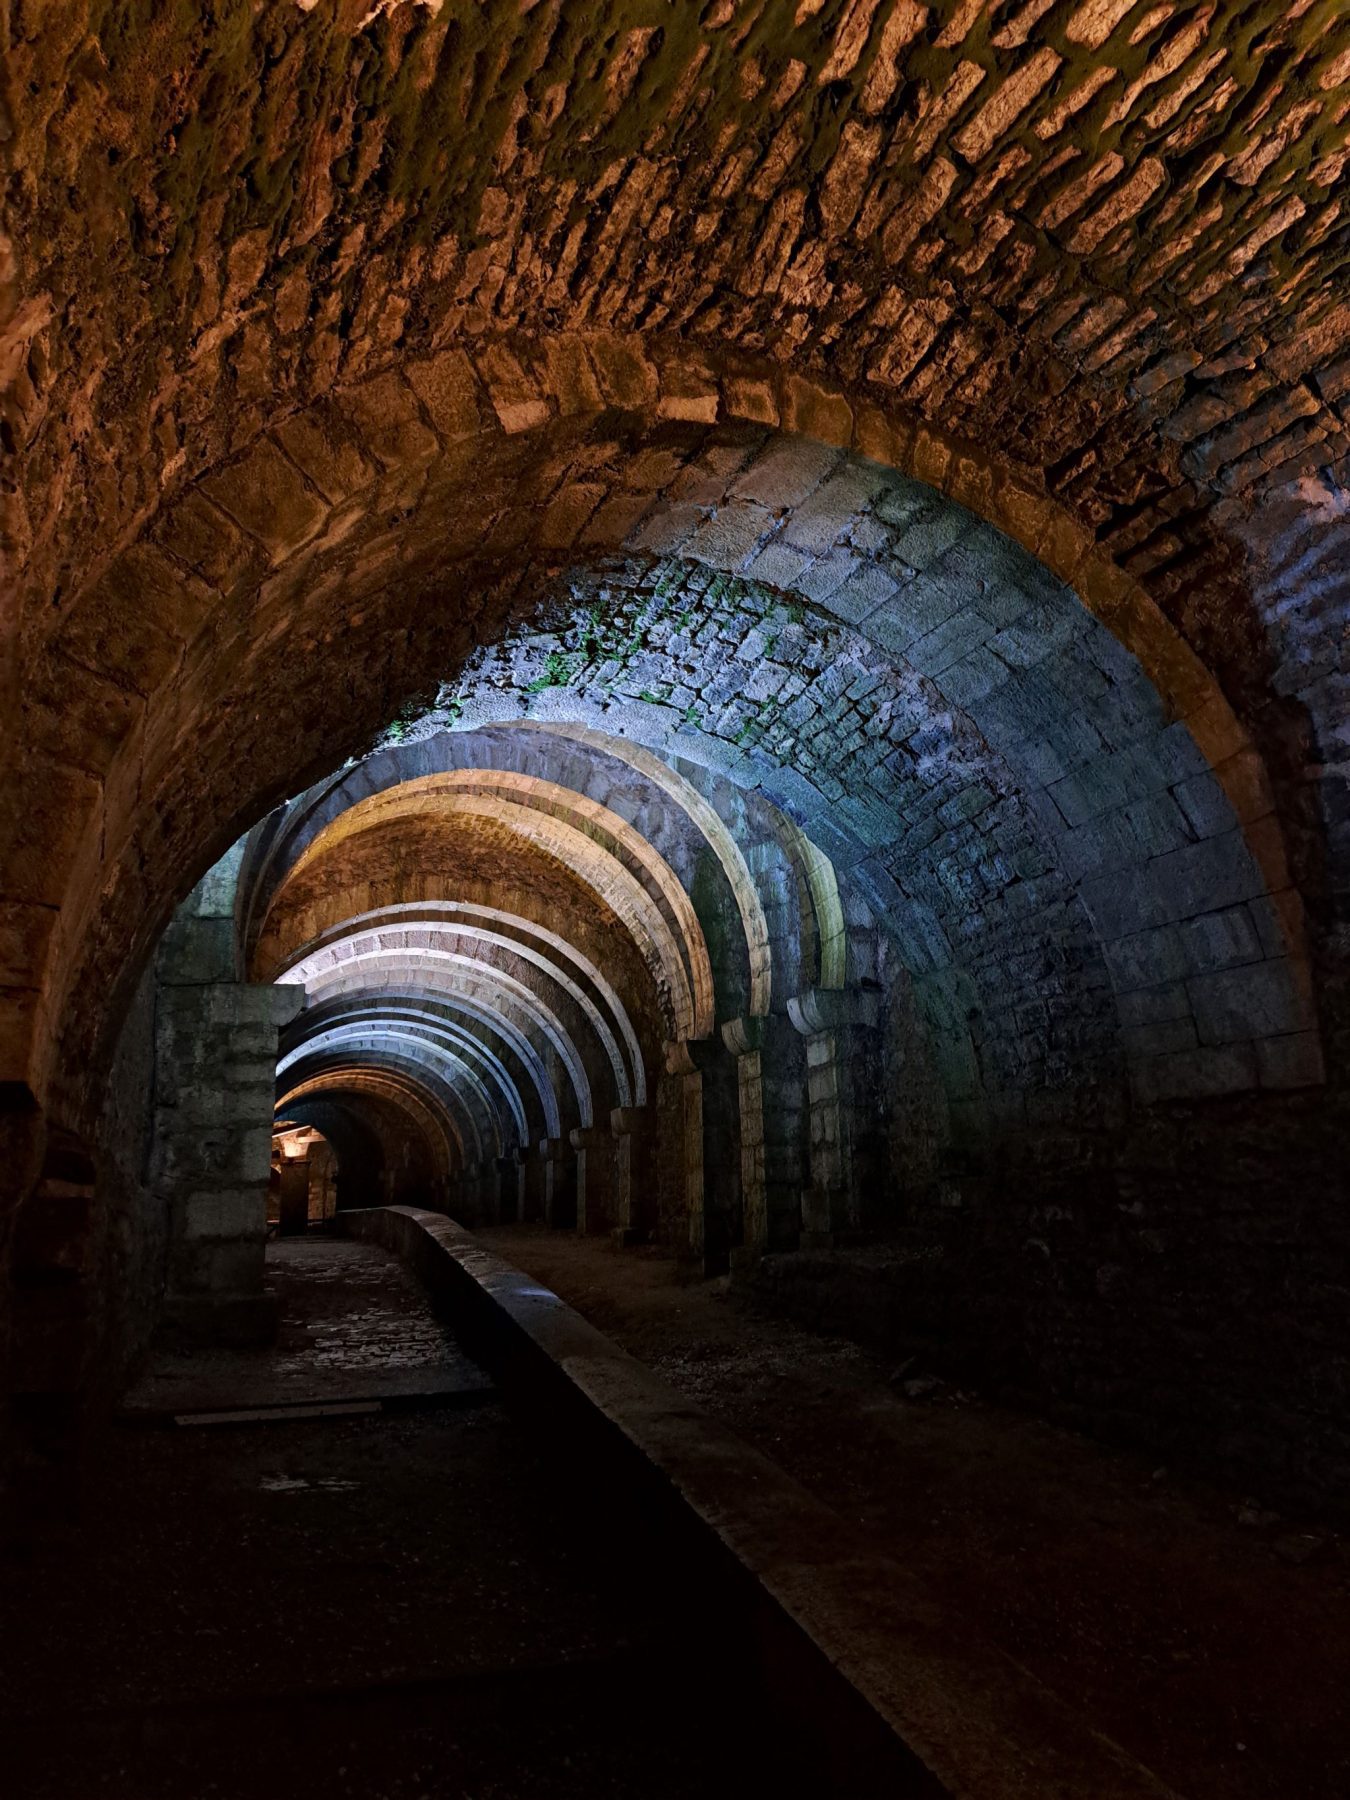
point(1204, 1634)
point(394, 1604)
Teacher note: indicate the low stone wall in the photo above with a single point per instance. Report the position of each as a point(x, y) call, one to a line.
point(1187, 1294)
point(850, 1636)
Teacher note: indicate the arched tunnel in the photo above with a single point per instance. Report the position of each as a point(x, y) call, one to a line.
point(720, 629)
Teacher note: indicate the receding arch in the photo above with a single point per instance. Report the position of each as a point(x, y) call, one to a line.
point(665, 928)
point(367, 966)
point(434, 1020)
point(834, 419)
point(545, 950)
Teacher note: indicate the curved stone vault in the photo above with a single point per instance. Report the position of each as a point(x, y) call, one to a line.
point(727, 622)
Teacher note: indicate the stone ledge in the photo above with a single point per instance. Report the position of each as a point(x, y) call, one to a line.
point(858, 1630)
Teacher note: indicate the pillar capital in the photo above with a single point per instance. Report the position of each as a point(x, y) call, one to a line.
point(589, 1137)
point(691, 1056)
point(625, 1119)
point(834, 1009)
point(746, 1035)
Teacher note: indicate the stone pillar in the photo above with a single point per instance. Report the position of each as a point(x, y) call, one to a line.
point(215, 1080)
point(594, 1147)
point(786, 1130)
point(531, 1183)
point(511, 1187)
point(322, 1183)
point(560, 1183)
point(770, 1077)
point(744, 1038)
point(215, 1086)
point(684, 1074)
point(294, 1217)
point(631, 1129)
point(710, 1163)
point(52, 1314)
point(478, 1194)
point(492, 1191)
point(844, 1104)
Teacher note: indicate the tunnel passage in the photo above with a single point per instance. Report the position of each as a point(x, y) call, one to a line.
point(812, 868)
point(991, 358)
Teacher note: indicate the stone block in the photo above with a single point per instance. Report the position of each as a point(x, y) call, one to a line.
point(668, 527)
point(1222, 940)
point(926, 537)
point(1205, 804)
point(1291, 1062)
point(785, 472)
point(1126, 902)
point(1098, 787)
point(1104, 843)
point(244, 1320)
point(566, 515)
point(747, 397)
point(448, 389)
point(515, 398)
point(268, 496)
point(334, 464)
point(815, 412)
point(861, 593)
point(198, 953)
point(25, 932)
point(1278, 919)
point(570, 376)
point(216, 1266)
point(1160, 1038)
point(914, 611)
point(779, 565)
point(1155, 1005)
point(627, 378)
point(225, 1215)
point(1258, 1000)
point(1195, 1074)
point(950, 643)
point(820, 579)
point(1217, 872)
point(731, 536)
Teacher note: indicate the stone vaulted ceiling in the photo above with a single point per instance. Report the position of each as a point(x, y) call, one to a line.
point(1109, 233)
point(1097, 245)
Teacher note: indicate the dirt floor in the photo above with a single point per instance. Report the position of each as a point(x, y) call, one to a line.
point(398, 1604)
point(1205, 1634)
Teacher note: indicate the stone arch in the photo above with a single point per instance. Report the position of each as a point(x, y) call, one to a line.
point(368, 969)
point(607, 853)
point(545, 950)
point(465, 1098)
point(404, 444)
point(487, 1055)
point(396, 1086)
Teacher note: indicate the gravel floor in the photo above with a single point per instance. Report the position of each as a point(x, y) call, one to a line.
point(394, 1605)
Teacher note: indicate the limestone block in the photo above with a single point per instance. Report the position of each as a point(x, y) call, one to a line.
point(1155, 1005)
point(1258, 1000)
point(1291, 1062)
point(1159, 1038)
point(448, 389)
point(1195, 1074)
point(266, 494)
point(223, 1215)
point(1219, 940)
point(216, 1266)
point(731, 536)
point(785, 472)
point(314, 441)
